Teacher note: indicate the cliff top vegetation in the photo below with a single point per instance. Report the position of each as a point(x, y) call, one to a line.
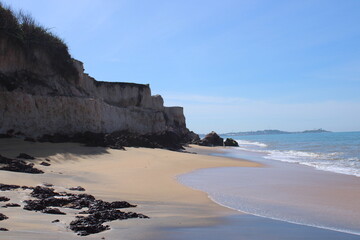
point(23, 31)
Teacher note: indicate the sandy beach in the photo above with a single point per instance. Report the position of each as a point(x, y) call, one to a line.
point(146, 177)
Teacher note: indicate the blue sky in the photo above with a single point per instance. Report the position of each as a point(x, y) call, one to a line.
point(233, 65)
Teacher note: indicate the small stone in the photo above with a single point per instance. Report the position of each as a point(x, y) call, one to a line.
point(78, 188)
point(11, 205)
point(45, 164)
point(4, 229)
point(55, 221)
point(52, 211)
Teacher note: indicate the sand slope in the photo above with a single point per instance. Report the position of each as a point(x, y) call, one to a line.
point(146, 177)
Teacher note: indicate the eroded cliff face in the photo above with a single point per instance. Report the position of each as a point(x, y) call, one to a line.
point(36, 100)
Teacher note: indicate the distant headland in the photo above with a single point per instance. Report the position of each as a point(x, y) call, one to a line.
point(272, 132)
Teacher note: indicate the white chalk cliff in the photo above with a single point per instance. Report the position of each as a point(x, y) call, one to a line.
point(36, 100)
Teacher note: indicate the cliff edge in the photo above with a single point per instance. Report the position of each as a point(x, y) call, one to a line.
point(43, 91)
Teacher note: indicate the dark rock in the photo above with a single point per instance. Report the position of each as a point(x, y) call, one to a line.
point(99, 211)
point(4, 229)
point(5, 160)
point(52, 211)
point(22, 167)
point(12, 205)
point(231, 142)
point(16, 165)
point(45, 164)
point(6, 187)
point(94, 222)
point(78, 201)
point(55, 138)
point(78, 188)
point(48, 184)
point(10, 132)
point(84, 227)
point(191, 138)
point(120, 139)
point(100, 205)
point(25, 156)
point(3, 217)
point(34, 205)
point(121, 204)
point(28, 139)
point(43, 192)
point(55, 221)
point(5, 135)
point(4, 199)
point(212, 139)
point(90, 139)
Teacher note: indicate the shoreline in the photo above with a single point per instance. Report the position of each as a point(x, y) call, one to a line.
point(310, 195)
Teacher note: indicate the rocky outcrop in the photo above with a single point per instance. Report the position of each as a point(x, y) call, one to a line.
point(212, 139)
point(36, 100)
point(229, 142)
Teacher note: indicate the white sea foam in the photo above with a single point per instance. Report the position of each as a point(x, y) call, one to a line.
point(247, 143)
point(331, 162)
point(322, 161)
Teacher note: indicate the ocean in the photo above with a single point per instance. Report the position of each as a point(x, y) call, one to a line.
point(329, 151)
point(311, 179)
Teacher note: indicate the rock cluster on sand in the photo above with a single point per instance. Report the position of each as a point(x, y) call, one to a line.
point(16, 165)
point(49, 201)
point(212, 139)
point(231, 142)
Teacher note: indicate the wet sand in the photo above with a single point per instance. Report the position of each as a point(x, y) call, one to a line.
point(284, 191)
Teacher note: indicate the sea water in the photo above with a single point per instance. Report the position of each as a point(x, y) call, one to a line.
point(330, 151)
point(310, 178)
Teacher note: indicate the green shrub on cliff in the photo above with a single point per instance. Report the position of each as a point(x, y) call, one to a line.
point(21, 29)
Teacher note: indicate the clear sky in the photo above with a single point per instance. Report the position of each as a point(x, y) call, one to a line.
point(233, 65)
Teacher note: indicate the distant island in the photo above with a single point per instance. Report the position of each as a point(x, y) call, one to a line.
point(271, 132)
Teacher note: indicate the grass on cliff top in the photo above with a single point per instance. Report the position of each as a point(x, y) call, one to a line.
point(22, 30)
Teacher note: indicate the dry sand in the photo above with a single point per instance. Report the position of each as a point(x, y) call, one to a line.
point(146, 177)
